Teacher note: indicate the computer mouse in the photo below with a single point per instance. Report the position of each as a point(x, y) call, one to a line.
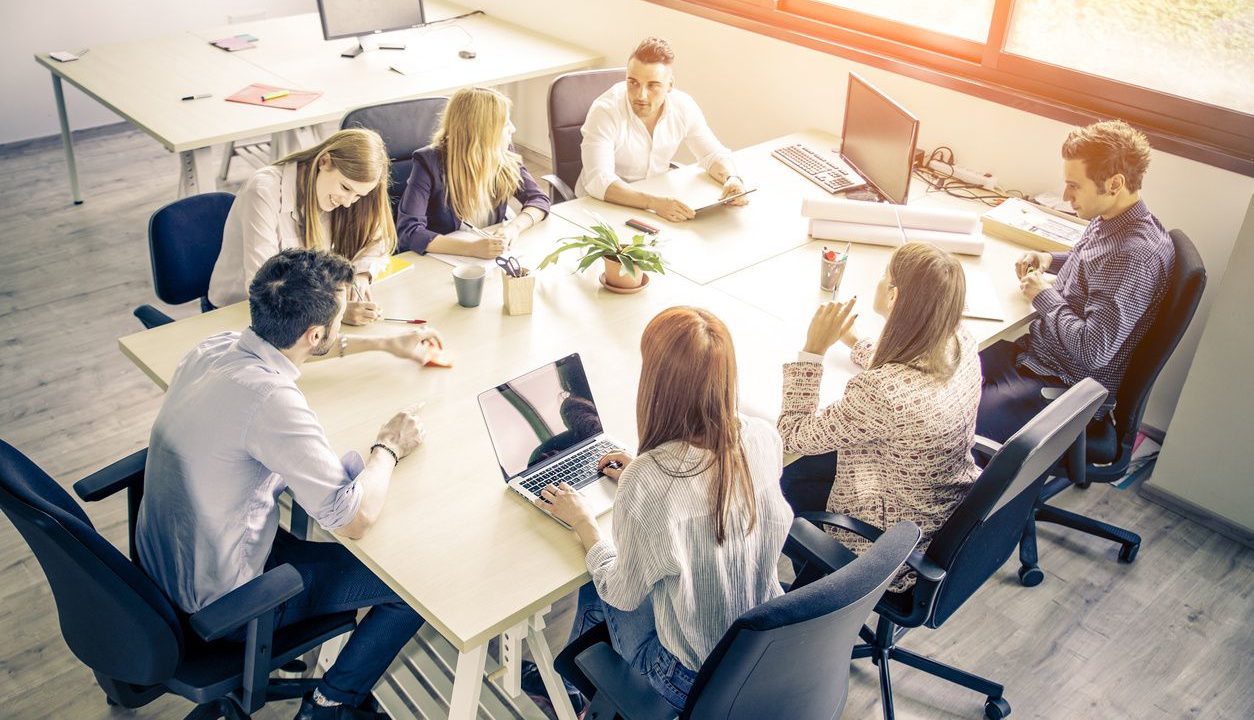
point(466, 54)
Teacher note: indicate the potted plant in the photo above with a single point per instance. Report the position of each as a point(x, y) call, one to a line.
point(625, 264)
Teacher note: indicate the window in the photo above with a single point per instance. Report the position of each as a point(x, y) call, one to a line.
point(1179, 70)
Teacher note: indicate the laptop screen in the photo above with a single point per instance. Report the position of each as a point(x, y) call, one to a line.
point(536, 417)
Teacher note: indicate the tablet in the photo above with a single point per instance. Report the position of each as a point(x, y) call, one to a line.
point(721, 201)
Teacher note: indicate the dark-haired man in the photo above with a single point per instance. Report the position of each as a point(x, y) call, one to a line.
point(634, 130)
point(235, 431)
point(1107, 290)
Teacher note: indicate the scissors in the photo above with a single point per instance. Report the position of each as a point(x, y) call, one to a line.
point(510, 266)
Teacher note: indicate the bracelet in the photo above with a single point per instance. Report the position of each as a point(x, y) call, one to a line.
point(343, 345)
point(396, 458)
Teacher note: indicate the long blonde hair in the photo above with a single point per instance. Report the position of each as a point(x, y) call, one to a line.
point(921, 328)
point(687, 393)
point(362, 157)
point(481, 171)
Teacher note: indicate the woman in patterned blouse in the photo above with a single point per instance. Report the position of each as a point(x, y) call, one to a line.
point(903, 431)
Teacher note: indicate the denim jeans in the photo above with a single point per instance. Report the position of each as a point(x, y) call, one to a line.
point(634, 636)
point(336, 581)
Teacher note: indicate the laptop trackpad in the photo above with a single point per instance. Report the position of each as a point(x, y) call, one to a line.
point(600, 495)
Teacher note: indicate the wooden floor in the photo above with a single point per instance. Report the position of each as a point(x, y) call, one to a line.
point(1171, 636)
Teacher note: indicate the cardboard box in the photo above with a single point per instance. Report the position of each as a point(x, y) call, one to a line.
point(1033, 226)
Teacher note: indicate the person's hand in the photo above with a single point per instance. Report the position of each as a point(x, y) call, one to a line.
point(734, 185)
point(404, 432)
point(488, 247)
point(362, 312)
point(564, 503)
point(831, 322)
point(613, 464)
point(671, 209)
point(851, 337)
point(415, 345)
point(1032, 260)
point(1032, 284)
point(508, 232)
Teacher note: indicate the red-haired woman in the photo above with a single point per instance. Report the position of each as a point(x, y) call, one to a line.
point(699, 519)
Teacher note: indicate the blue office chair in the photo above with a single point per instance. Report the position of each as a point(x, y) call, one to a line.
point(786, 658)
point(972, 544)
point(184, 239)
point(1109, 442)
point(118, 623)
point(405, 127)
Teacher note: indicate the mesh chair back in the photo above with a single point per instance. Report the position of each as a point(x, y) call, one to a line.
point(113, 618)
point(184, 239)
point(1184, 292)
point(789, 658)
point(405, 127)
point(985, 527)
point(570, 96)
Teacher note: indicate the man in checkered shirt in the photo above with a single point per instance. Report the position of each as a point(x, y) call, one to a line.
point(1106, 292)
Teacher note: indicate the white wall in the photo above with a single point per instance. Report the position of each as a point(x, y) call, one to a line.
point(753, 88)
point(28, 109)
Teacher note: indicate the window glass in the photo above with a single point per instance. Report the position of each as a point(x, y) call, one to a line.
point(967, 19)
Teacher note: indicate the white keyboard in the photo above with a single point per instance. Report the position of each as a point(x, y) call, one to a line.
point(822, 171)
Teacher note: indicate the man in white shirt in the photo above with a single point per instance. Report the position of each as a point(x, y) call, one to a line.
point(235, 431)
point(634, 130)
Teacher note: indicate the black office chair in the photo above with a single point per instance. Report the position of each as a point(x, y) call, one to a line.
point(786, 658)
point(118, 623)
point(972, 544)
point(184, 239)
point(1109, 441)
point(405, 127)
point(570, 97)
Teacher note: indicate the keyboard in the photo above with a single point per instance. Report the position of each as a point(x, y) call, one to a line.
point(822, 171)
point(577, 469)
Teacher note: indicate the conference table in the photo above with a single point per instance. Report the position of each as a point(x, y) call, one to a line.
point(462, 549)
point(144, 81)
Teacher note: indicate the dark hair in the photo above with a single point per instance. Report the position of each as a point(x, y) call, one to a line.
point(295, 290)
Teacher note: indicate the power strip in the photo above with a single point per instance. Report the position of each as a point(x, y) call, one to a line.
point(973, 177)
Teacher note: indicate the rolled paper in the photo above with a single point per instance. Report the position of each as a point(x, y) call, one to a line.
point(963, 243)
point(873, 213)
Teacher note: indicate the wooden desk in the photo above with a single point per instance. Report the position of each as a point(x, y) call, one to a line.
point(143, 81)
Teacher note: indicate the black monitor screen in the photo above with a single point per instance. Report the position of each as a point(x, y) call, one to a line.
point(535, 417)
point(879, 139)
point(352, 18)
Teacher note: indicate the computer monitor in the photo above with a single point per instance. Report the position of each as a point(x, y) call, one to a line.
point(355, 18)
point(878, 139)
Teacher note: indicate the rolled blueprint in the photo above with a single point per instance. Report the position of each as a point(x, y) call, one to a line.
point(964, 243)
point(873, 213)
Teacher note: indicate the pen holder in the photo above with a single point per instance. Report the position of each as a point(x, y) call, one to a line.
point(518, 292)
point(830, 274)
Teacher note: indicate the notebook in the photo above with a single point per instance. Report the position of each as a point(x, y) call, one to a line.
point(294, 100)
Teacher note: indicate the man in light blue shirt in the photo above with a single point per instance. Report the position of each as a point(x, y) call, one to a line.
point(235, 431)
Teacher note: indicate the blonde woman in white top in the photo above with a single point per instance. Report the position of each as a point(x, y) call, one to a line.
point(332, 196)
point(699, 520)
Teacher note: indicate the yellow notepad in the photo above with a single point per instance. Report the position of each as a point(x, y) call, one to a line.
point(395, 265)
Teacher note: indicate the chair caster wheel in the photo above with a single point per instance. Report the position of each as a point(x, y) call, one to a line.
point(1030, 575)
point(996, 708)
point(1127, 553)
point(110, 702)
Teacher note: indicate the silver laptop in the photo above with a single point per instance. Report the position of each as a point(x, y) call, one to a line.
point(545, 430)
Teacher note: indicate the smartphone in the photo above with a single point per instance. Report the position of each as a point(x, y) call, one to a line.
point(642, 226)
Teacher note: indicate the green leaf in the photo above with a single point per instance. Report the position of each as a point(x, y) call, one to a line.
point(589, 259)
point(638, 240)
point(630, 265)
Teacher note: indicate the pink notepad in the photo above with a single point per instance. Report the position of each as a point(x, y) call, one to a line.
point(294, 100)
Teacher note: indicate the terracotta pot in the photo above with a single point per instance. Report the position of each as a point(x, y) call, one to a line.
point(618, 277)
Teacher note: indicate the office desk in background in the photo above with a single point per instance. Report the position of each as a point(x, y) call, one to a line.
point(144, 80)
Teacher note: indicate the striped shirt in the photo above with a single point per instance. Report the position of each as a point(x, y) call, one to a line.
point(1106, 297)
point(664, 549)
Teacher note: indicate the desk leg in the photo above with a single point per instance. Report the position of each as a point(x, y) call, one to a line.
point(467, 682)
point(196, 172)
point(543, 656)
point(511, 659)
point(66, 139)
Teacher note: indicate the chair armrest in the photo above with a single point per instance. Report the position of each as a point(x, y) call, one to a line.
point(1053, 393)
point(925, 568)
point(844, 522)
point(621, 686)
point(108, 480)
point(561, 190)
point(150, 317)
point(986, 446)
point(246, 602)
point(809, 544)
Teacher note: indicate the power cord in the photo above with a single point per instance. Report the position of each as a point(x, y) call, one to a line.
point(943, 180)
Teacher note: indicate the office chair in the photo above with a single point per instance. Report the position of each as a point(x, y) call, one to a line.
point(786, 658)
point(118, 623)
point(405, 127)
point(184, 239)
point(1109, 441)
point(972, 544)
point(570, 97)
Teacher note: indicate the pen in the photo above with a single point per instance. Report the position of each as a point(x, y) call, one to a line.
point(415, 321)
point(474, 229)
point(196, 97)
point(274, 95)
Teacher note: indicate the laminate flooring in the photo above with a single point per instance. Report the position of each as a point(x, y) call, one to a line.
point(1170, 636)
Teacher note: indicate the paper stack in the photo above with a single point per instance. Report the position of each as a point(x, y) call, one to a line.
point(858, 221)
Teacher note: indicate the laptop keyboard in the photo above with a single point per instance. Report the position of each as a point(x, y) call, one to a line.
point(818, 169)
point(577, 469)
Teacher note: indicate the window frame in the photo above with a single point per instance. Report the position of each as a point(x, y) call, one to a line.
point(1200, 131)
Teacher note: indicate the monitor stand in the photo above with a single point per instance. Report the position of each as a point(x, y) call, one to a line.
point(354, 51)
